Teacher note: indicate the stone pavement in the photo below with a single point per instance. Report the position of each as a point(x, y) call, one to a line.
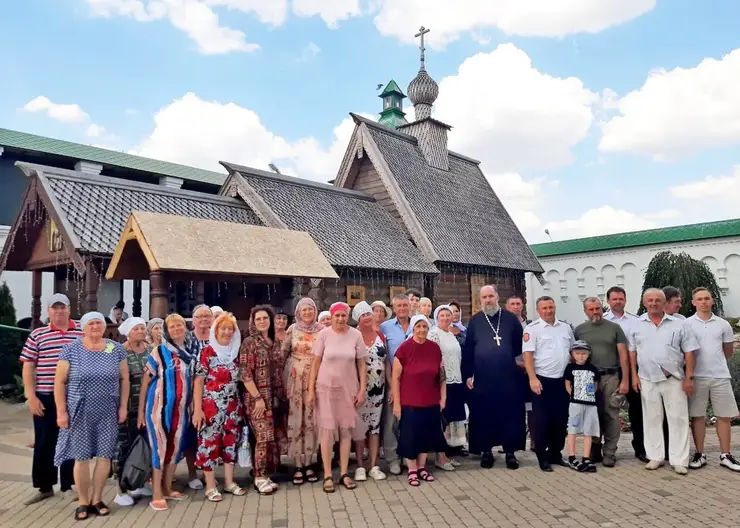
point(625, 496)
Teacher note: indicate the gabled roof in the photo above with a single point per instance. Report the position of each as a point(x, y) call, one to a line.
point(665, 235)
point(96, 207)
point(456, 210)
point(57, 147)
point(182, 243)
point(350, 227)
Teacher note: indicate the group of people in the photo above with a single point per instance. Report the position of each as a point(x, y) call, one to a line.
point(408, 378)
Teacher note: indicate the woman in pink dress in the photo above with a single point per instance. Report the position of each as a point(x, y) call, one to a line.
point(338, 386)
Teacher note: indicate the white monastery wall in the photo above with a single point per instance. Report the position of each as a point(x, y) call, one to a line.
point(571, 278)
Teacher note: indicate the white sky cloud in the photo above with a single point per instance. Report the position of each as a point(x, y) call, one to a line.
point(200, 133)
point(520, 197)
point(606, 220)
point(722, 188)
point(536, 18)
point(512, 116)
point(330, 11)
point(679, 112)
point(64, 113)
point(95, 131)
point(196, 19)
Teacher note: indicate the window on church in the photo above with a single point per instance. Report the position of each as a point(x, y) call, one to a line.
point(387, 102)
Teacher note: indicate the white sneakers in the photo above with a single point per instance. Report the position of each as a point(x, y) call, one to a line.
point(360, 474)
point(128, 499)
point(680, 470)
point(124, 500)
point(654, 464)
point(376, 474)
point(195, 484)
point(728, 461)
point(699, 460)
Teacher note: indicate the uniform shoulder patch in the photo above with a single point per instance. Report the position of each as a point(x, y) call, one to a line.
point(525, 337)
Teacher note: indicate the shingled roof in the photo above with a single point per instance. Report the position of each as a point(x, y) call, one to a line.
point(97, 207)
point(350, 227)
point(460, 214)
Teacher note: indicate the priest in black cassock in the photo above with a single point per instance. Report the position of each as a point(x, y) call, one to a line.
point(496, 398)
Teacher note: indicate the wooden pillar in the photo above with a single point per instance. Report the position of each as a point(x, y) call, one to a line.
point(158, 294)
point(200, 292)
point(92, 281)
point(136, 307)
point(36, 283)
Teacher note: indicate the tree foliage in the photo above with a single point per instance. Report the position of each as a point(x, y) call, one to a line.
point(685, 273)
point(11, 341)
point(7, 309)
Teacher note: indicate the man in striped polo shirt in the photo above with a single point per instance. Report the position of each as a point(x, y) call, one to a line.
point(40, 357)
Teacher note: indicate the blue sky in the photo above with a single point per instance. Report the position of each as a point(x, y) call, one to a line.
point(288, 100)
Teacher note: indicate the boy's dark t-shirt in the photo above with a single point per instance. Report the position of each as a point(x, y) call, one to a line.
point(583, 379)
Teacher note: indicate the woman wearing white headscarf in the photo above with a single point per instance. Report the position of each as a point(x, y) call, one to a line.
point(91, 394)
point(372, 409)
point(324, 318)
point(217, 407)
point(137, 352)
point(454, 411)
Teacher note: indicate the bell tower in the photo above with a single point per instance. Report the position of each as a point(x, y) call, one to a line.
point(392, 115)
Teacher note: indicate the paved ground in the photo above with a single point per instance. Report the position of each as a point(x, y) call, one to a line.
point(625, 496)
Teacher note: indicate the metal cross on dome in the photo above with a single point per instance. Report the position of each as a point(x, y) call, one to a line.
point(422, 31)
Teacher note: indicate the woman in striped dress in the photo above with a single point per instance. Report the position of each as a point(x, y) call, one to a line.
point(164, 409)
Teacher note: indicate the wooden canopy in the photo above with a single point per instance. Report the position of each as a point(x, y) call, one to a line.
point(161, 242)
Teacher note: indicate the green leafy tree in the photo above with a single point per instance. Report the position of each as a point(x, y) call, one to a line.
point(11, 341)
point(685, 273)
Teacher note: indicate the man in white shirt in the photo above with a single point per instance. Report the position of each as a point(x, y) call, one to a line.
point(616, 298)
point(673, 302)
point(712, 379)
point(659, 345)
point(546, 349)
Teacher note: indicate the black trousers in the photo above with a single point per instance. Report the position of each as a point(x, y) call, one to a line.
point(45, 433)
point(550, 419)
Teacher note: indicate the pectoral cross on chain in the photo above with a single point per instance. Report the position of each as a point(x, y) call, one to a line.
point(498, 340)
point(422, 31)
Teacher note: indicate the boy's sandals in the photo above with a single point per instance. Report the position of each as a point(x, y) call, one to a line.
point(298, 478)
point(329, 485)
point(213, 495)
point(235, 490)
point(82, 513)
point(264, 486)
point(346, 481)
point(158, 505)
point(413, 478)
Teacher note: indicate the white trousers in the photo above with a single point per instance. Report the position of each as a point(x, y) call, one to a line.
point(654, 396)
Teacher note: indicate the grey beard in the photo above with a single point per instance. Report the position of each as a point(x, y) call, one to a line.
point(490, 311)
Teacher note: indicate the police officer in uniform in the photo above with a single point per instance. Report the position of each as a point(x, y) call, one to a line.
point(546, 349)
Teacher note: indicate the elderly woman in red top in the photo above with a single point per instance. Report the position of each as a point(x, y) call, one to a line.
point(217, 407)
point(419, 395)
point(338, 385)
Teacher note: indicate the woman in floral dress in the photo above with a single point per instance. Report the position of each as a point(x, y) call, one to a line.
point(372, 410)
point(164, 408)
point(137, 352)
point(217, 409)
point(261, 362)
point(297, 348)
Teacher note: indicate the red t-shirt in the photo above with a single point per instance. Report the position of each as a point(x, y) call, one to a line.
point(420, 381)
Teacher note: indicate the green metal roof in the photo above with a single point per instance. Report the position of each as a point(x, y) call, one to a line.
point(392, 87)
point(57, 147)
point(666, 235)
point(392, 118)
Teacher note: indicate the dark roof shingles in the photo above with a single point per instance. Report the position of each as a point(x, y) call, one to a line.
point(351, 229)
point(462, 216)
point(98, 211)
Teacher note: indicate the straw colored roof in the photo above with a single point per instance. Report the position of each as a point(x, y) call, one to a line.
point(180, 243)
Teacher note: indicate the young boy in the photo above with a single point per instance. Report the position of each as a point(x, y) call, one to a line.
point(581, 379)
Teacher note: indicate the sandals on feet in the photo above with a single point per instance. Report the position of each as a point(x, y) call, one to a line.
point(264, 486)
point(100, 509)
point(298, 476)
point(414, 478)
point(176, 495)
point(311, 475)
point(213, 495)
point(346, 481)
point(329, 485)
point(82, 513)
point(158, 505)
point(425, 475)
point(235, 490)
